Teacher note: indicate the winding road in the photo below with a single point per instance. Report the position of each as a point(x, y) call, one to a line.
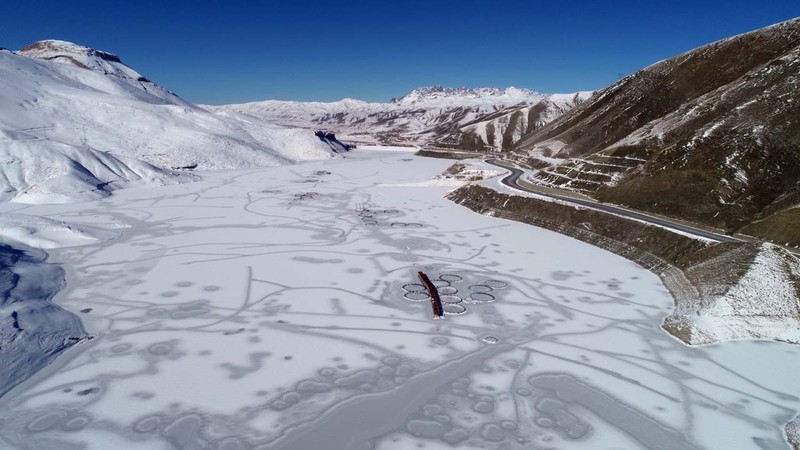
point(512, 180)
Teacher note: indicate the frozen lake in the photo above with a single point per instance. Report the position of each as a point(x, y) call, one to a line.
point(280, 308)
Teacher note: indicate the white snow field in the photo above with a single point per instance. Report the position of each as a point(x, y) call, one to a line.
point(77, 122)
point(280, 308)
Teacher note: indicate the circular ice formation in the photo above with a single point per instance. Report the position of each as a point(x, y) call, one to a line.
point(493, 432)
point(509, 425)
point(46, 421)
point(544, 422)
point(480, 288)
point(448, 290)
point(440, 340)
point(495, 284)
point(451, 299)
point(327, 371)
point(416, 296)
point(76, 423)
point(160, 348)
point(391, 360)
point(455, 436)
point(414, 287)
point(483, 407)
point(120, 348)
point(453, 309)
point(279, 405)
point(440, 283)
point(481, 297)
point(147, 424)
point(450, 277)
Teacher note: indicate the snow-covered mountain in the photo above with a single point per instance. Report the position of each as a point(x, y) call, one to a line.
point(77, 121)
point(452, 117)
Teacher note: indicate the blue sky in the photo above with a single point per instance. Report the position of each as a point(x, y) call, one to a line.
point(236, 51)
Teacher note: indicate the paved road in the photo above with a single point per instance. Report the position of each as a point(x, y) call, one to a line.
point(512, 181)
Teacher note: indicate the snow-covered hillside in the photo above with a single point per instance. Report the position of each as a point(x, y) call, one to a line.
point(77, 120)
point(434, 115)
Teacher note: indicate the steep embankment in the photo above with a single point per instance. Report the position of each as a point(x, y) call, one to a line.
point(712, 136)
point(722, 291)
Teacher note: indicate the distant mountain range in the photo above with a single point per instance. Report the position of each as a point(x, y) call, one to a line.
point(475, 119)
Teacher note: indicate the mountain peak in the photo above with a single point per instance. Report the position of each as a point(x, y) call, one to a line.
point(438, 92)
point(67, 56)
point(54, 49)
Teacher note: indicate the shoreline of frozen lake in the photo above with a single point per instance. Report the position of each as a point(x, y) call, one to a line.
point(276, 308)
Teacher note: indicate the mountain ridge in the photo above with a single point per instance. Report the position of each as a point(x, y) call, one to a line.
point(431, 115)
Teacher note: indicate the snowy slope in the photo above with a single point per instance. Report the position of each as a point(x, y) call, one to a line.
point(427, 115)
point(74, 119)
point(756, 296)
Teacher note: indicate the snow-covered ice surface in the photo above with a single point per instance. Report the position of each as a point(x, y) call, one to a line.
point(280, 308)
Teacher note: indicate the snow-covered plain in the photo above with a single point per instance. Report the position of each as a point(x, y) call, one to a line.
point(280, 308)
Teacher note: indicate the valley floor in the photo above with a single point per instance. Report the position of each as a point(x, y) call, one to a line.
point(280, 308)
